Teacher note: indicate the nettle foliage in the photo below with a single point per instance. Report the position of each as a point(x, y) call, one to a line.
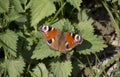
point(25, 52)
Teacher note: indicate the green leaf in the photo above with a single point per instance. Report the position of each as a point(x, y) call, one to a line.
point(75, 3)
point(1, 69)
point(40, 70)
point(42, 51)
point(13, 15)
point(91, 43)
point(14, 68)
point(61, 69)
point(17, 6)
point(21, 19)
point(64, 24)
point(9, 41)
point(113, 1)
point(4, 6)
point(41, 9)
point(119, 2)
point(83, 15)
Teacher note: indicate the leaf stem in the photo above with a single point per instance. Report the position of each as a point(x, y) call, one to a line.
point(115, 25)
point(109, 62)
point(57, 13)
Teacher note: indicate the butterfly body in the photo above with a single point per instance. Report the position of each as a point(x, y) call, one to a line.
point(60, 40)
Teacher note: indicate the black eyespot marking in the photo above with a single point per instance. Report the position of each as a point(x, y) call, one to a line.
point(50, 41)
point(67, 45)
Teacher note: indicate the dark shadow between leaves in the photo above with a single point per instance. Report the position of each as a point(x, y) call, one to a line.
point(2, 54)
point(85, 45)
point(23, 49)
point(7, 46)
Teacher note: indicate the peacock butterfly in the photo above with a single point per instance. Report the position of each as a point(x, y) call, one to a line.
point(60, 40)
